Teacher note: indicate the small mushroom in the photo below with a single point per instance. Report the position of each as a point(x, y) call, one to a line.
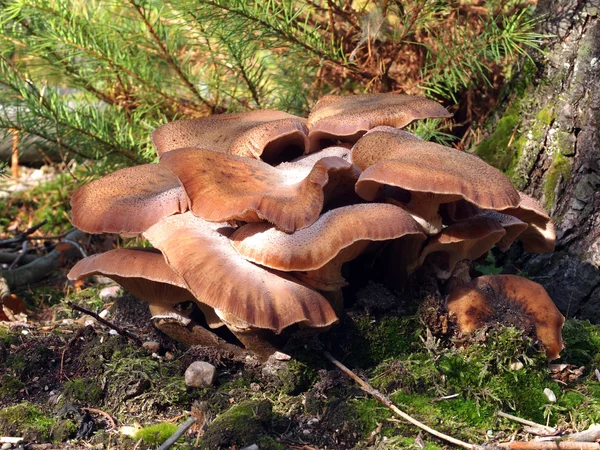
point(224, 187)
point(347, 118)
point(426, 175)
point(511, 300)
point(128, 201)
point(466, 240)
point(512, 226)
point(266, 134)
point(202, 254)
point(320, 250)
point(540, 236)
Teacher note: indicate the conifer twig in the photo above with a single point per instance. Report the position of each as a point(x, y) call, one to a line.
point(387, 402)
point(525, 421)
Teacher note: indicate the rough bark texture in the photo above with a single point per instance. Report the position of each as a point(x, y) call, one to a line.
point(548, 140)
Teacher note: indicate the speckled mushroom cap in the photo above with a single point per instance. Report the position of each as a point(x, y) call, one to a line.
point(469, 239)
point(201, 253)
point(263, 134)
point(128, 201)
point(347, 118)
point(224, 187)
point(429, 174)
point(540, 236)
point(141, 271)
point(313, 247)
point(510, 300)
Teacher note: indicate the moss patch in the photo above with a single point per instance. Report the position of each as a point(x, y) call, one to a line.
point(156, 434)
point(33, 425)
point(560, 169)
point(83, 391)
point(243, 424)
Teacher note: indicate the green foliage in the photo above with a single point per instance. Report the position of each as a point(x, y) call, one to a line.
point(156, 434)
point(83, 391)
point(26, 420)
point(91, 79)
point(582, 343)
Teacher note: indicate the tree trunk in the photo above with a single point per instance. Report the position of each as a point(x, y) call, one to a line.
point(548, 140)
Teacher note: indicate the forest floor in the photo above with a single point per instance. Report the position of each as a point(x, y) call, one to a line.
point(68, 381)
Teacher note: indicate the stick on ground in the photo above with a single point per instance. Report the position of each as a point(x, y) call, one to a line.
point(387, 402)
point(118, 329)
point(182, 429)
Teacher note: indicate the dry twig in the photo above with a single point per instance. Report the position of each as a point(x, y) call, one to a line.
point(387, 402)
point(103, 321)
point(525, 421)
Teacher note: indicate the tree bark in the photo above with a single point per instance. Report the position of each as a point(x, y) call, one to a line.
point(553, 153)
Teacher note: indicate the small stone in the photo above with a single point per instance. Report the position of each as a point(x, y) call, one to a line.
point(251, 447)
point(255, 387)
point(109, 292)
point(200, 374)
point(550, 394)
point(516, 365)
point(169, 356)
point(151, 346)
point(280, 356)
point(6, 446)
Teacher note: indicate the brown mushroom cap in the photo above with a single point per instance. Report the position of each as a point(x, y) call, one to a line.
point(431, 173)
point(540, 236)
point(469, 239)
point(511, 300)
point(348, 117)
point(128, 201)
point(255, 134)
point(141, 271)
point(313, 247)
point(201, 253)
point(513, 227)
point(224, 187)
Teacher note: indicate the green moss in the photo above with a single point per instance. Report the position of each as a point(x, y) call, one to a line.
point(84, 391)
point(560, 169)
point(495, 150)
point(582, 340)
point(156, 434)
point(375, 340)
point(546, 115)
point(242, 425)
point(10, 385)
point(26, 420)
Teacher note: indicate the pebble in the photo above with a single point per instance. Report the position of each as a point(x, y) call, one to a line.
point(6, 446)
point(280, 356)
point(251, 447)
point(151, 346)
point(110, 292)
point(200, 374)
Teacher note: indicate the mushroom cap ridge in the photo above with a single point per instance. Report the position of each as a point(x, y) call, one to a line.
point(498, 297)
point(128, 201)
point(394, 157)
point(224, 187)
point(246, 134)
point(313, 247)
point(201, 253)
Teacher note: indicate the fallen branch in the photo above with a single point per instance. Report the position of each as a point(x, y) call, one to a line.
point(525, 421)
point(550, 445)
point(22, 236)
point(8, 258)
point(387, 402)
point(103, 321)
point(39, 268)
point(182, 429)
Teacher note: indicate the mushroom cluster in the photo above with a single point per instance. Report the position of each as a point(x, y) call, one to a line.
point(253, 215)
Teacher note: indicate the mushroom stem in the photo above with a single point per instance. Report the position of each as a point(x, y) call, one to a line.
point(178, 327)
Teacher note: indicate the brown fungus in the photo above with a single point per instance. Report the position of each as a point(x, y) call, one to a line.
point(347, 118)
point(225, 187)
point(128, 201)
point(272, 136)
point(510, 300)
point(339, 236)
point(427, 175)
point(202, 254)
point(540, 236)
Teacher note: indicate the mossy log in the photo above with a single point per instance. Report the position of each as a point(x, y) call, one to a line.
point(547, 139)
